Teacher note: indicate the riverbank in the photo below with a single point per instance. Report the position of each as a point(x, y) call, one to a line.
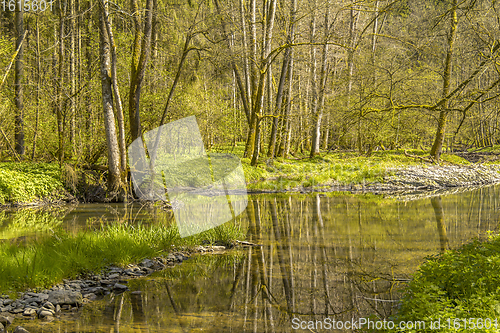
point(384, 172)
point(48, 259)
point(63, 299)
point(458, 289)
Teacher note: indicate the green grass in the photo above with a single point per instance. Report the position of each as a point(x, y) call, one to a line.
point(339, 168)
point(49, 259)
point(454, 286)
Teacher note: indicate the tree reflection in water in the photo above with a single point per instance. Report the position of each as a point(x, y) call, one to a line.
point(339, 257)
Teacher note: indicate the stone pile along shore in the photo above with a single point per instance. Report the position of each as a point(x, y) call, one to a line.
point(438, 177)
point(71, 294)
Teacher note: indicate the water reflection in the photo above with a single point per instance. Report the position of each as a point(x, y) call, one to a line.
point(22, 223)
point(441, 228)
point(320, 256)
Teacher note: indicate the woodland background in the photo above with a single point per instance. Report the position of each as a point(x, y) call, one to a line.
point(83, 79)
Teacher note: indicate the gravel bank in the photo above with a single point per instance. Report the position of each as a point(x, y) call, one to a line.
point(439, 177)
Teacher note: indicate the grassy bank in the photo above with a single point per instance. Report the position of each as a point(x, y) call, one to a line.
point(48, 260)
point(339, 168)
point(31, 182)
point(453, 287)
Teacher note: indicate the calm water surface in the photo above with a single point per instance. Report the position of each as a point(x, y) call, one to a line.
point(341, 257)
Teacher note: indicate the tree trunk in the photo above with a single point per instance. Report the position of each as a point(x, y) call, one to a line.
point(72, 76)
point(286, 131)
point(246, 69)
point(443, 114)
point(114, 179)
point(264, 67)
point(116, 91)
point(313, 97)
point(249, 146)
point(318, 104)
point(279, 95)
point(18, 87)
point(60, 93)
point(140, 55)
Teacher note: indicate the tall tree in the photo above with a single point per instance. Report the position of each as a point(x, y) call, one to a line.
point(116, 90)
point(140, 55)
point(444, 104)
point(18, 83)
point(115, 185)
point(317, 110)
point(265, 62)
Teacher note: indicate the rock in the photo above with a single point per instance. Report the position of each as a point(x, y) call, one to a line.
point(115, 270)
point(44, 314)
point(180, 257)
point(17, 310)
point(49, 305)
point(147, 270)
point(1, 327)
point(119, 287)
point(32, 300)
point(107, 283)
point(29, 312)
point(90, 296)
point(113, 276)
point(20, 329)
point(6, 321)
point(62, 297)
point(147, 263)
point(74, 285)
point(96, 290)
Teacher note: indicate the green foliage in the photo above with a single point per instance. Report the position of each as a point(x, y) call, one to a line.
point(26, 182)
point(454, 286)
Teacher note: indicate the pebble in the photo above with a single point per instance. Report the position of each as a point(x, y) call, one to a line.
point(6, 321)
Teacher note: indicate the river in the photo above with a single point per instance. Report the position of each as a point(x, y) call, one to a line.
point(341, 257)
